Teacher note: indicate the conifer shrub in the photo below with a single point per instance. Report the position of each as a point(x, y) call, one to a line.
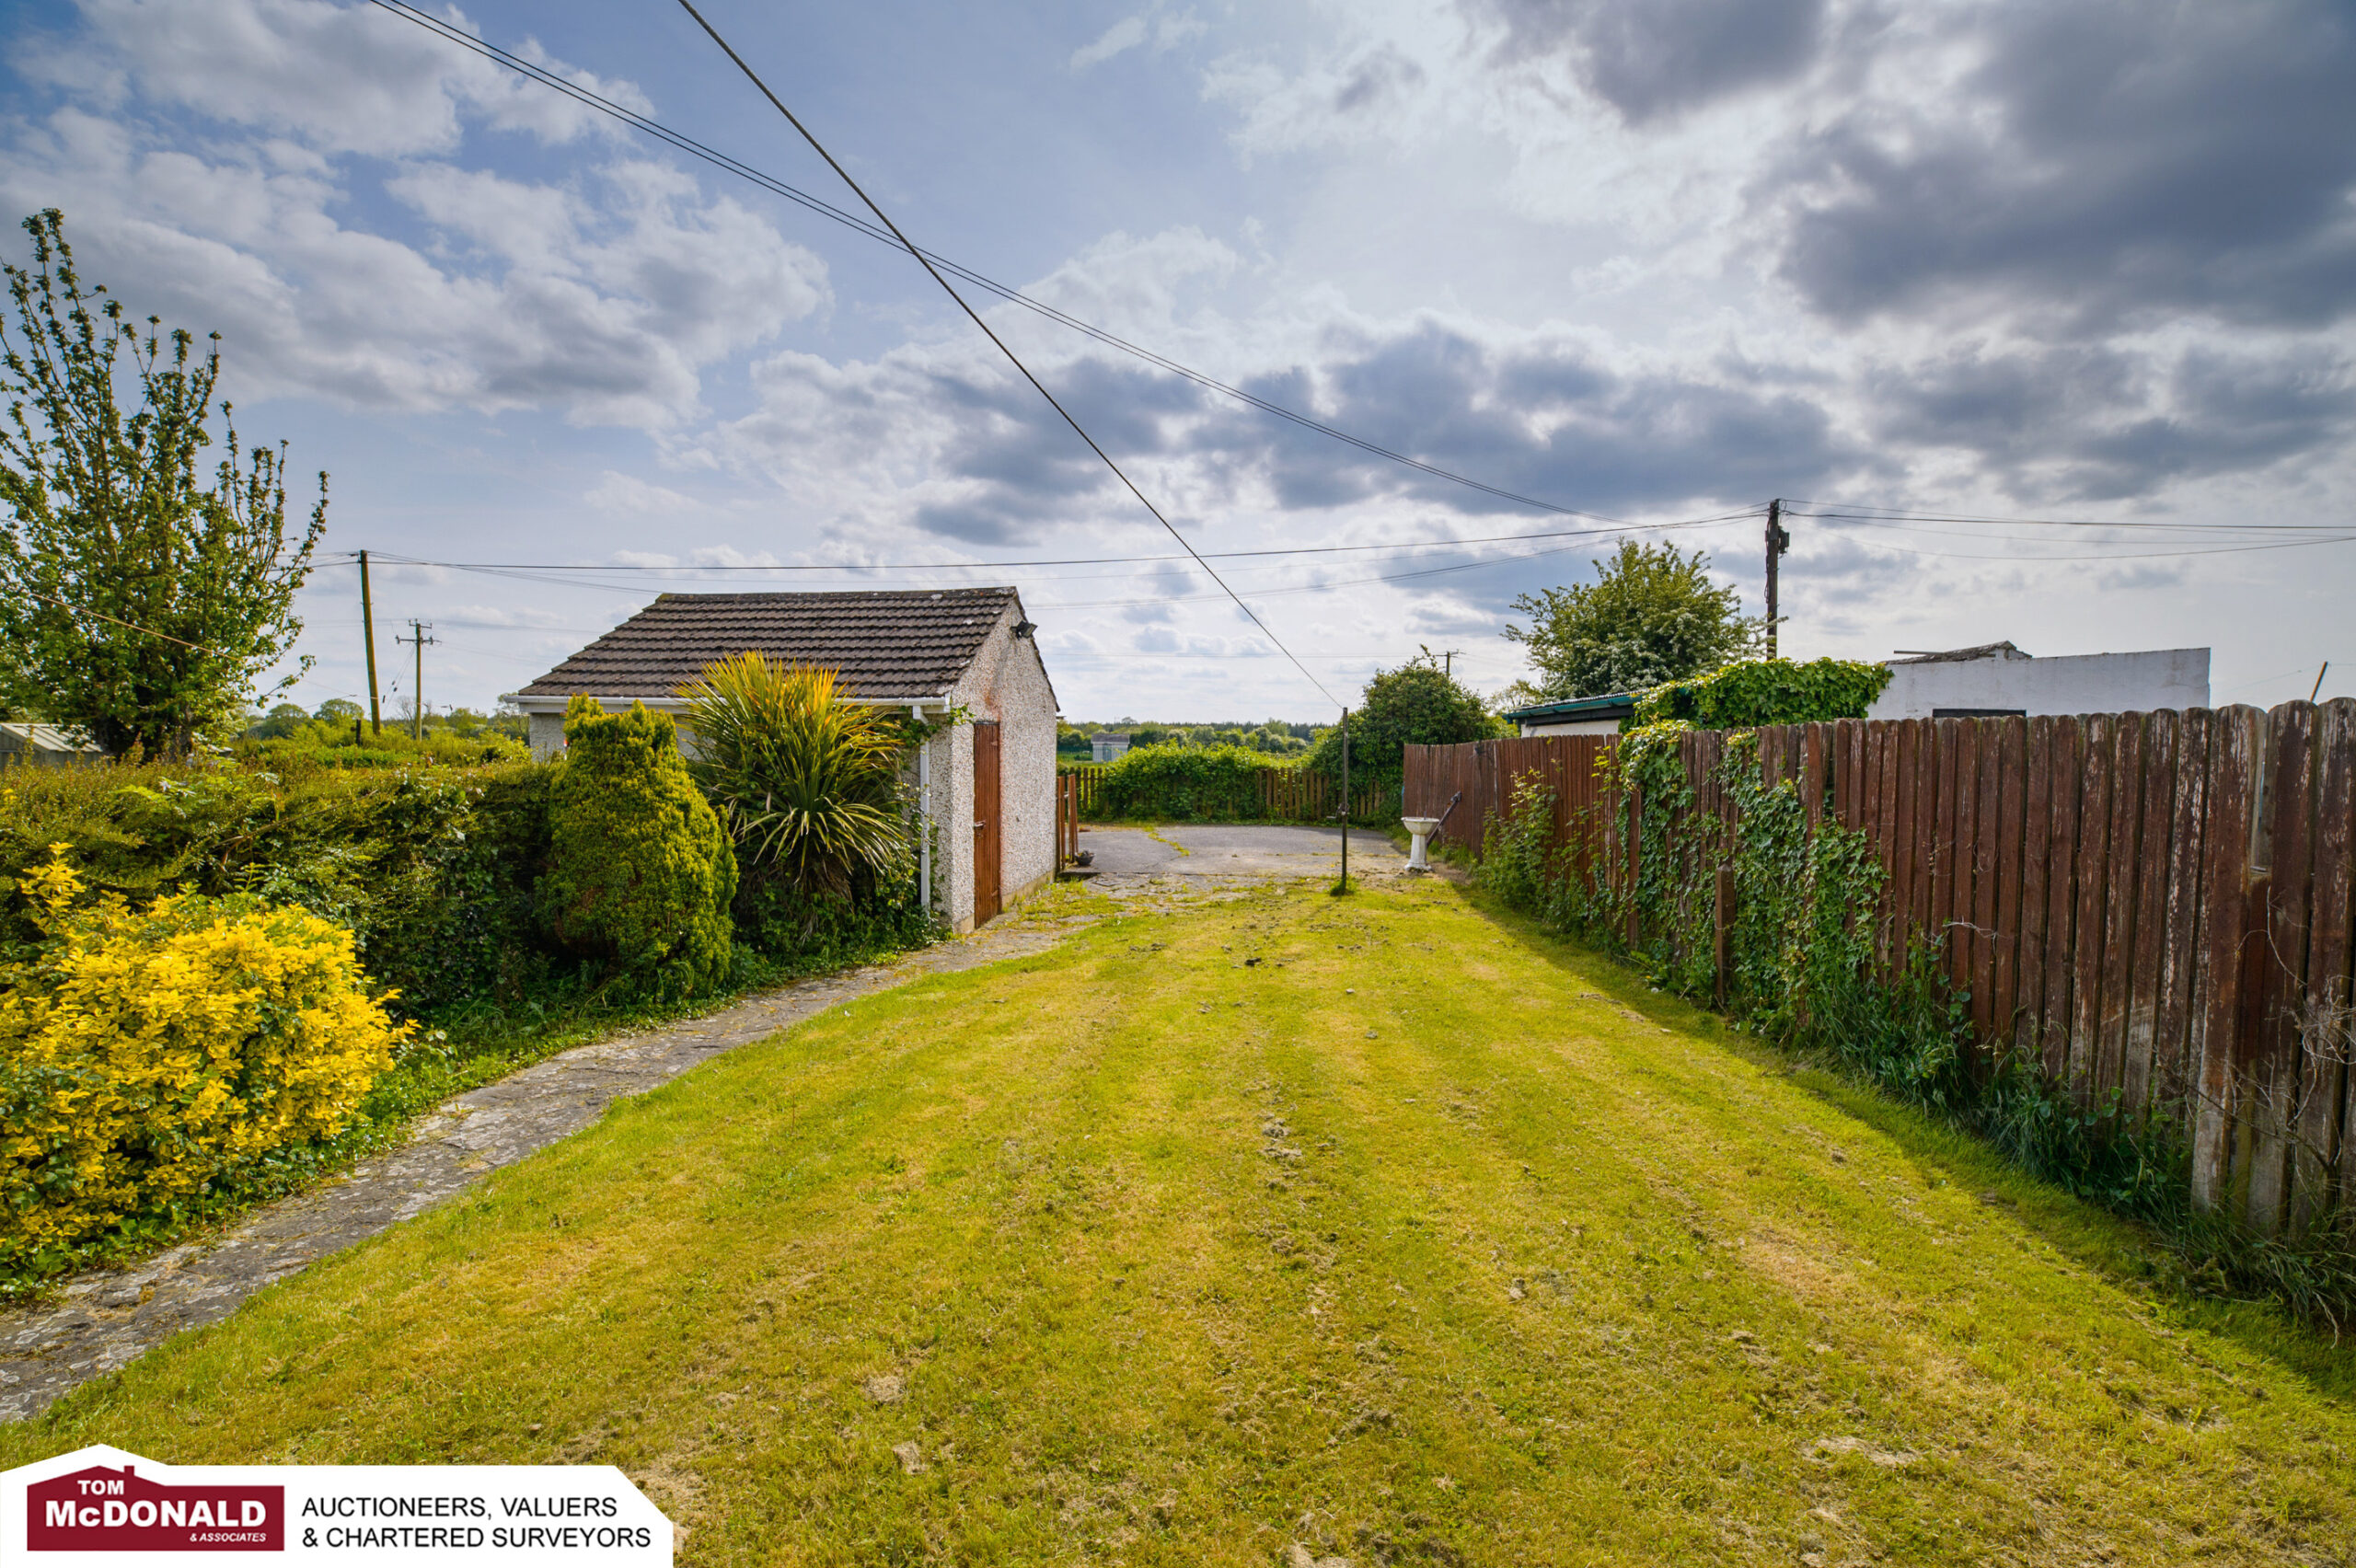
point(641, 873)
point(145, 1055)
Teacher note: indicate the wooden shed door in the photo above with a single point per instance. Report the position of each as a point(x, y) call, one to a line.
point(988, 841)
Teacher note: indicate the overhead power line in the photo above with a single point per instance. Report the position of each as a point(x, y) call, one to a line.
point(937, 263)
point(1070, 560)
point(2112, 554)
point(1012, 358)
point(1861, 512)
point(531, 575)
point(111, 620)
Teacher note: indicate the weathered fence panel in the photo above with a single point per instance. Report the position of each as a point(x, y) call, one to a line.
point(2158, 909)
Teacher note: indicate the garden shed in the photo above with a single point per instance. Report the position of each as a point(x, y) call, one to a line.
point(986, 783)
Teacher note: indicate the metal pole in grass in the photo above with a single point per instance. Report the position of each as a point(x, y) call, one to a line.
point(1343, 885)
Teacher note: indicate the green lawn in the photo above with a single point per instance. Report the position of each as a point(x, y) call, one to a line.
point(1422, 1239)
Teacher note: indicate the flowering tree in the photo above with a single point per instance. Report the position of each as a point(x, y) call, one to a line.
point(140, 601)
point(1652, 615)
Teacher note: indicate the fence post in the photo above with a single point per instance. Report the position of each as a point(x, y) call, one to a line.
point(1635, 864)
point(1722, 922)
point(2233, 801)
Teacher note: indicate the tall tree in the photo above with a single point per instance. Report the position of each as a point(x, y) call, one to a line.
point(1417, 704)
point(1652, 615)
point(140, 601)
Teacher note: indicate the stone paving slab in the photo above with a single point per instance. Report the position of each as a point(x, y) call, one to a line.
point(104, 1318)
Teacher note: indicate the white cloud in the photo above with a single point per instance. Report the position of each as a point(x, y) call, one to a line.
point(618, 494)
point(608, 316)
point(343, 78)
point(1121, 37)
point(1164, 30)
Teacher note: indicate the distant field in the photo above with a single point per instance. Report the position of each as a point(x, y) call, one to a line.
point(1419, 1239)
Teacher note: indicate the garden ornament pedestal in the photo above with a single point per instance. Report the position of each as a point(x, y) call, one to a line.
point(1420, 830)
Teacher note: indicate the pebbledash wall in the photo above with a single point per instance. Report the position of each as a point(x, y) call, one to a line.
point(1007, 681)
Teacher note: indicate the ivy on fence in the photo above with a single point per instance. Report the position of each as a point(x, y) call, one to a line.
point(1799, 955)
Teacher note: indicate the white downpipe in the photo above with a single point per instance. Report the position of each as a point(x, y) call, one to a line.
point(924, 809)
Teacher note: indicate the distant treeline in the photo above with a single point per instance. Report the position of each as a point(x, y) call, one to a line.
point(1275, 737)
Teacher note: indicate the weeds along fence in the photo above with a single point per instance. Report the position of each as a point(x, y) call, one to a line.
point(1264, 794)
point(2155, 911)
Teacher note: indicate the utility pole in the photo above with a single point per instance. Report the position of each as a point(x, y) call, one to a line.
point(417, 687)
point(1343, 885)
point(1778, 541)
point(1447, 661)
point(368, 631)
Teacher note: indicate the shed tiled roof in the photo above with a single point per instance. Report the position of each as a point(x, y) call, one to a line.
point(884, 644)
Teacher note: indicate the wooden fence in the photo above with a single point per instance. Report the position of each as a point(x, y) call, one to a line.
point(2156, 907)
point(1068, 786)
point(1083, 781)
point(1284, 794)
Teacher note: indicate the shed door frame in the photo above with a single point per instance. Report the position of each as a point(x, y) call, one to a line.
point(990, 840)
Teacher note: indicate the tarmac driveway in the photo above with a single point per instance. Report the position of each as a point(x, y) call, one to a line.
point(1237, 850)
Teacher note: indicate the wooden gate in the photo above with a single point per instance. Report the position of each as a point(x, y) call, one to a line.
point(987, 840)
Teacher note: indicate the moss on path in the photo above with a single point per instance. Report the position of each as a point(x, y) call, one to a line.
point(1367, 1223)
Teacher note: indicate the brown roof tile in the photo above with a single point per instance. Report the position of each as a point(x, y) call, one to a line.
point(884, 644)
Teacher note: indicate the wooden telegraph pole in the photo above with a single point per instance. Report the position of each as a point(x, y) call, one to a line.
point(418, 638)
point(1778, 541)
point(368, 631)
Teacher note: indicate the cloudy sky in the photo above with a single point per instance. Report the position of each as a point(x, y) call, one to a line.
point(1651, 260)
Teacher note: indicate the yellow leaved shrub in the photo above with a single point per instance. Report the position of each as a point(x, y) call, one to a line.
point(143, 1054)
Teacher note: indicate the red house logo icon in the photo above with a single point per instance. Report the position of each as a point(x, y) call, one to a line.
point(104, 1509)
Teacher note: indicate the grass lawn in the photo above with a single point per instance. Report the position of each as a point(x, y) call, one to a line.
point(1421, 1238)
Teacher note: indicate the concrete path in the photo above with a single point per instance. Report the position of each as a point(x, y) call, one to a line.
point(106, 1317)
point(1256, 851)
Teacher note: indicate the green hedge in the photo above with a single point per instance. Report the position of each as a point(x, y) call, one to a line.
point(433, 869)
point(1765, 691)
point(1174, 783)
point(437, 871)
point(1182, 783)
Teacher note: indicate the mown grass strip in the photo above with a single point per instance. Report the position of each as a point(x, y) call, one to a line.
point(1419, 1238)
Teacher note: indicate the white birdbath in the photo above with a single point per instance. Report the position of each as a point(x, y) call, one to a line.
point(1419, 829)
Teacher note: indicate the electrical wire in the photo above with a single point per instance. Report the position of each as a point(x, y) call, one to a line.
point(848, 567)
point(100, 615)
point(1846, 512)
point(1226, 591)
point(2118, 555)
point(2204, 531)
point(1012, 358)
point(933, 261)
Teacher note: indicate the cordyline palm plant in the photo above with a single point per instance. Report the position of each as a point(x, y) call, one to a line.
point(808, 784)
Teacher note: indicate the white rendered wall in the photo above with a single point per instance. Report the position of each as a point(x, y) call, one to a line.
point(2084, 682)
point(1008, 682)
point(1575, 727)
